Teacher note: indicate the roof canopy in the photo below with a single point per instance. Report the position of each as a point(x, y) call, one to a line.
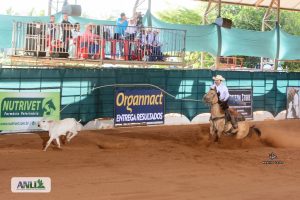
point(284, 4)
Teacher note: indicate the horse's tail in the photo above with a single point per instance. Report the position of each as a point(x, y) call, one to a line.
point(254, 129)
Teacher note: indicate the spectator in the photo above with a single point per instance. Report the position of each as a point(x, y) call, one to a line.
point(74, 41)
point(66, 32)
point(76, 31)
point(130, 34)
point(90, 41)
point(155, 46)
point(139, 19)
point(51, 35)
point(51, 27)
point(146, 38)
point(131, 29)
point(121, 26)
point(142, 38)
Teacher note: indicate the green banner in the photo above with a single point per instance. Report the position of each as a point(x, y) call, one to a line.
point(22, 111)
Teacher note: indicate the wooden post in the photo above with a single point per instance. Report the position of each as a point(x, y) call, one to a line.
point(49, 7)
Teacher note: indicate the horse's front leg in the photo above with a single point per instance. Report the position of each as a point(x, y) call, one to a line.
point(220, 128)
point(213, 136)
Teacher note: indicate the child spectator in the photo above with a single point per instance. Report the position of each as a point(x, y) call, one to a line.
point(74, 41)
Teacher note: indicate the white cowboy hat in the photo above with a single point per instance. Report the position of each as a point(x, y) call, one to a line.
point(219, 77)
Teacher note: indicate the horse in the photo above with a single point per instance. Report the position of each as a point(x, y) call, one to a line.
point(218, 123)
point(293, 103)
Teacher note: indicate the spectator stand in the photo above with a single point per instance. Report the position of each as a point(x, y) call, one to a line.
point(41, 44)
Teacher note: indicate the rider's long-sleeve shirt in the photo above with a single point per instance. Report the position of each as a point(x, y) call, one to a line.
point(223, 90)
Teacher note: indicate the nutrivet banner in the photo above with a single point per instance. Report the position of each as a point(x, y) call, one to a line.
point(136, 106)
point(22, 110)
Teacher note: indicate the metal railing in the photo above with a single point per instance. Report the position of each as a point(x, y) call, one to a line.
point(98, 42)
point(231, 62)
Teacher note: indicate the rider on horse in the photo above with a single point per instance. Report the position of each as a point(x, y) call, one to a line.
point(223, 95)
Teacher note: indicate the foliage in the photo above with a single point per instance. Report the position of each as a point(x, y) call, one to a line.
point(181, 16)
point(243, 17)
point(292, 66)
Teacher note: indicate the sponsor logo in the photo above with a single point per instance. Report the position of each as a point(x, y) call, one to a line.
point(141, 105)
point(31, 184)
point(273, 159)
point(138, 100)
point(27, 107)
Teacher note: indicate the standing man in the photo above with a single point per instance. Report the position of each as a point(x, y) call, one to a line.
point(223, 94)
point(121, 26)
point(155, 46)
point(130, 35)
point(66, 32)
point(51, 27)
point(51, 35)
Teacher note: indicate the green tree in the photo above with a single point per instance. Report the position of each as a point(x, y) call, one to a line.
point(246, 17)
point(292, 66)
point(10, 11)
point(42, 13)
point(31, 12)
point(181, 16)
point(243, 17)
point(289, 22)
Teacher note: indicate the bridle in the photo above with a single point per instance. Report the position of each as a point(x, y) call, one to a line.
point(213, 96)
point(215, 118)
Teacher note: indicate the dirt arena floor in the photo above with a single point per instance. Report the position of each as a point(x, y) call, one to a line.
point(158, 163)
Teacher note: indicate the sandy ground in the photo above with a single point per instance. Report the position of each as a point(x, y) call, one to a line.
point(158, 163)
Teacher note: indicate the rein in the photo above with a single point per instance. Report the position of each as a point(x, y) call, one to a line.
point(213, 119)
point(213, 98)
point(216, 118)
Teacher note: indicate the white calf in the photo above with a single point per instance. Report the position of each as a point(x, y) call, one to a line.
point(68, 127)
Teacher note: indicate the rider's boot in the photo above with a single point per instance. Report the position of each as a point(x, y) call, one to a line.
point(234, 125)
point(233, 122)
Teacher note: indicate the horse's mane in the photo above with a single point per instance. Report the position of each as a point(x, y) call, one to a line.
point(215, 90)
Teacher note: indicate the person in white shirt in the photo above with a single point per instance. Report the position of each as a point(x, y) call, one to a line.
point(131, 29)
point(155, 46)
point(73, 42)
point(130, 34)
point(223, 94)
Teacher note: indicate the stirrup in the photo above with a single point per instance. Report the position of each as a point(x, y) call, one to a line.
point(232, 131)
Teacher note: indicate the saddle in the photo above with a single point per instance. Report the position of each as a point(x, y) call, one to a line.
point(233, 117)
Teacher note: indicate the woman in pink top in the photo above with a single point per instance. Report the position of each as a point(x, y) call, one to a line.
point(90, 41)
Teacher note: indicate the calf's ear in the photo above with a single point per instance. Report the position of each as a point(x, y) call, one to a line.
point(50, 121)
